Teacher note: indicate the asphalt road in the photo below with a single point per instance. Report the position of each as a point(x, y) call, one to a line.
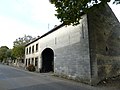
point(16, 79)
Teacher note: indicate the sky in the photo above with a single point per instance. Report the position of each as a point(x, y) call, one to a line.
point(29, 17)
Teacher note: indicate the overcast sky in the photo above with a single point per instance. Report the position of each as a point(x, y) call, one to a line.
point(30, 17)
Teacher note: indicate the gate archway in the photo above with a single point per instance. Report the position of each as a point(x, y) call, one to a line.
point(47, 60)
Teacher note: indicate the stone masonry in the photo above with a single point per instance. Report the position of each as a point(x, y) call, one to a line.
point(104, 38)
point(88, 52)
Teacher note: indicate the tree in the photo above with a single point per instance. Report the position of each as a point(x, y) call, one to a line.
point(3, 50)
point(9, 54)
point(18, 51)
point(23, 40)
point(19, 46)
point(69, 11)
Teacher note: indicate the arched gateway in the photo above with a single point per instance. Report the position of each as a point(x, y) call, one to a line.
point(47, 60)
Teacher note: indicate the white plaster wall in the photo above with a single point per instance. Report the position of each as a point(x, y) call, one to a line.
point(69, 34)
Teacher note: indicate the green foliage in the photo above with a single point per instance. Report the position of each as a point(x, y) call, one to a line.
point(23, 40)
point(8, 53)
point(3, 51)
point(69, 11)
point(18, 50)
point(31, 68)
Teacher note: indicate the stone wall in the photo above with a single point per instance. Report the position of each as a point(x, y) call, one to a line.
point(104, 34)
point(72, 53)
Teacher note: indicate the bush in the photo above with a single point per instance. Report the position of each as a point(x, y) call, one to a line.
point(31, 68)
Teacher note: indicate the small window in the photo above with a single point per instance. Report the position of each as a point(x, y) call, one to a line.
point(26, 51)
point(106, 48)
point(32, 49)
point(36, 61)
point(33, 61)
point(22, 60)
point(29, 61)
point(36, 47)
point(26, 62)
point(29, 50)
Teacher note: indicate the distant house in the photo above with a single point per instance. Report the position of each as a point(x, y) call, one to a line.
point(88, 52)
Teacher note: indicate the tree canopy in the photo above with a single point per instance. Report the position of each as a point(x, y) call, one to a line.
point(18, 49)
point(19, 46)
point(69, 11)
point(3, 55)
point(23, 40)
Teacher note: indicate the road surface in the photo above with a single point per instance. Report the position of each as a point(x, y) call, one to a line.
point(17, 79)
